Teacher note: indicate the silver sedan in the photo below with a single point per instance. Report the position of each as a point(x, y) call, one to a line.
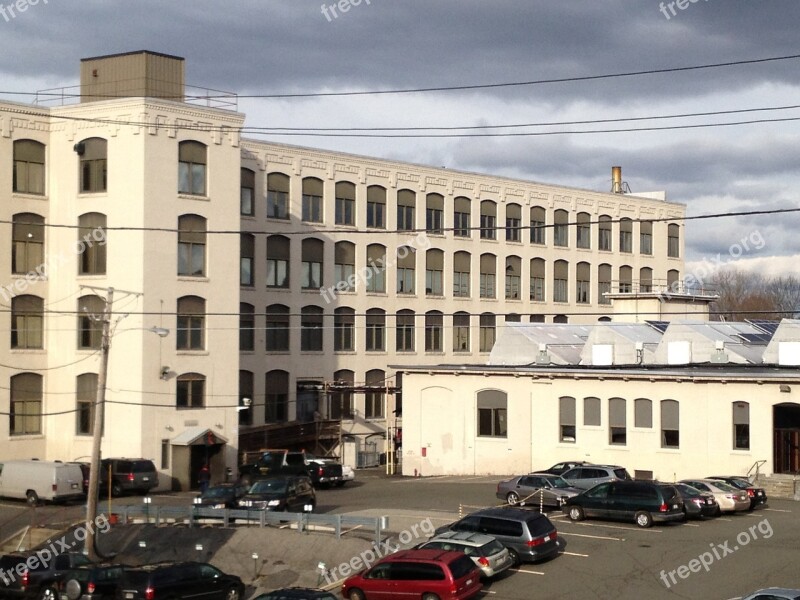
point(536, 488)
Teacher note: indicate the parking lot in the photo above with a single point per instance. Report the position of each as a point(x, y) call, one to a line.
point(720, 558)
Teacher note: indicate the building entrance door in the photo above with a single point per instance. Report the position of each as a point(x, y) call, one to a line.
point(787, 438)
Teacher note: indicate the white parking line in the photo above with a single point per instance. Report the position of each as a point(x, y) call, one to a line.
point(618, 527)
point(526, 571)
point(776, 510)
point(691, 525)
point(575, 554)
point(594, 537)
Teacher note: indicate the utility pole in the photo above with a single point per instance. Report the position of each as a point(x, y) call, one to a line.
point(97, 431)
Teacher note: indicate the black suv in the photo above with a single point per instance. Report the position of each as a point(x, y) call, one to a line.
point(177, 581)
point(36, 578)
point(94, 582)
point(642, 502)
point(290, 493)
point(136, 475)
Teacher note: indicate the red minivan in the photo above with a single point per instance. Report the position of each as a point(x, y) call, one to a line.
point(416, 575)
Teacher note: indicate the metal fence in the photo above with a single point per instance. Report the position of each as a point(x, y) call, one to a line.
point(338, 525)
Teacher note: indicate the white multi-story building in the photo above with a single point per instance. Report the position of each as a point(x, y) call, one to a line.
point(289, 278)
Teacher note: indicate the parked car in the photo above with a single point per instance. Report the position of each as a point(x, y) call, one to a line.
point(560, 468)
point(536, 489)
point(774, 594)
point(416, 574)
point(222, 495)
point(323, 472)
point(643, 502)
point(93, 582)
point(529, 536)
point(488, 554)
point(37, 480)
point(348, 474)
point(37, 580)
point(757, 494)
point(130, 475)
point(697, 504)
point(729, 499)
point(297, 593)
point(291, 493)
point(587, 476)
point(178, 581)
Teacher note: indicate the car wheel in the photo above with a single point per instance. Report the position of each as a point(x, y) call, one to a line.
point(356, 594)
point(48, 593)
point(430, 597)
point(515, 561)
point(233, 594)
point(32, 498)
point(512, 498)
point(576, 513)
point(644, 519)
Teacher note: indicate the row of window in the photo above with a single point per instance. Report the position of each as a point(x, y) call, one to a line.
point(340, 398)
point(492, 418)
point(30, 159)
point(373, 275)
point(26, 395)
point(313, 211)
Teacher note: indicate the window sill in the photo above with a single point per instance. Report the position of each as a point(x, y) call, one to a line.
point(193, 352)
point(345, 352)
point(201, 197)
point(194, 278)
point(406, 353)
point(29, 351)
point(28, 196)
point(495, 438)
point(515, 242)
point(377, 352)
point(345, 226)
point(435, 353)
point(279, 219)
point(462, 298)
point(407, 294)
point(103, 194)
point(487, 299)
point(313, 352)
point(312, 223)
point(462, 352)
point(247, 217)
point(92, 276)
point(277, 352)
point(514, 299)
point(434, 296)
point(278, 289)
point(31, 277)
point(25, 436)
point(378, 294)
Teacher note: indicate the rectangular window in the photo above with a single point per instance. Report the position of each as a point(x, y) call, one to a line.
point(405, 280)
point(405, 218)
point(604, 240)
point(312, 275)
point(405, 333)
point(567, 419)
point(343, 334)
point(277, 333)
point(312, 208)
point(190, 332)
point(741, 426)
point(344, 275)
point(375, 215)
point(673, 247)
point(345, 211)
point(561, 235)
point(487, 332)
point(537, 289)
point(618, 432)
point(276, 407)
point(461, 225)
point(190, 393)
point(277, 205)
point(246, 271)
point(626, 241)
point(537, 232)
point(512, 229)
point(584, 236)
point(376, 335)
point(512, 287)
point(487, 285)
point(433, 220)
point(460, 333)
point(646, 243)
point(373, 405)
point(277, 273)
point(93, 176)
point(460, 284)
point(377, 283)
point(488, 227)
point(582, 290)
point(560, 290)
point(165, 454)
point(433, 283)
point(492, 422)
point(433, 337)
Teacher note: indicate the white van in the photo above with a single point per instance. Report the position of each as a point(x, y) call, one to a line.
point(36, 480)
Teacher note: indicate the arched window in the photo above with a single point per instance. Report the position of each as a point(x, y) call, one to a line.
point(246, 393)
point(276, 398)
point(312, 200)
point(277, 328)
point(591, 412)
point(625, 235)
point(434, 272)
point(192, 168)
point(674, 240)
point(645, 279)
point(537, 280)
point(344, 324)
point(561, 281)
point(90, 330)
point(247, 245)
point(670, 424)
point(741, 425)
point(376, 330)
point(27, 248)
point(247, 327)
point(190, 391)
point(461, 214)
point(625, 279)
point(313, 251)
point(513, 222)
point(584, 231)
point(561, 228)
point(25, 404)
point(406, 270)
point(617, 427)
point(374, 400)
point(461, 329)
point(345, 203)
point(85, 399)
point(376, 263)
point(488, 220)
point(462, 271)
point(603, 283)
point(376, 207)
point(92, 238)
point(406, 330)
point(406, 204)
point(29, 171)
point(538, 229)
point(247, 205)
point(190, 331)
point(344, 266)
point(434, 214)
point(278, 253)
point(311, 329)
point(646, 238)
point(93, 165)
point(27, 322)
point(604, 233)
point(487, 331)
point(434, 328)
point(513, 277)
point(342, 395)
point(191, 246)
point(492, 415)
point(488, 276)
point(643, 413)
point(277, 196)
point(583, 283)
point(566, 419)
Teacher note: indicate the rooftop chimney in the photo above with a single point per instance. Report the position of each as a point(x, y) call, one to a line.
point(617, 185)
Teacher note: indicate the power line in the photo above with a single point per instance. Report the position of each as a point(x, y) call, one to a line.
point(421, 90)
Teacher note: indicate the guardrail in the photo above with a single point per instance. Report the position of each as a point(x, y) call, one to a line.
point(337, 524)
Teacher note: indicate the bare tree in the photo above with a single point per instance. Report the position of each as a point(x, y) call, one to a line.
point(747, 295)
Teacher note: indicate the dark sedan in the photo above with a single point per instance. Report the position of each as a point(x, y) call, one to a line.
point(697, 504)
point(757, 495)
point(223, 495)
point(536, 489)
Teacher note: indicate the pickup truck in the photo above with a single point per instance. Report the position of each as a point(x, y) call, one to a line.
point(322, 471)
point(36, 576)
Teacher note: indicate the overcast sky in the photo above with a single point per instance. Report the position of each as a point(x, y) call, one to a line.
point(257, 47)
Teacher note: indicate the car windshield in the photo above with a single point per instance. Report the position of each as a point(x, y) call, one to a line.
point(687, 490)
point(461, 567)
point(621, 474)
point(740, 483)
point(558, 482)
point(491, 548)
point(725, 487)
point(216, 492)
point(142, 466)
point(276, 486)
